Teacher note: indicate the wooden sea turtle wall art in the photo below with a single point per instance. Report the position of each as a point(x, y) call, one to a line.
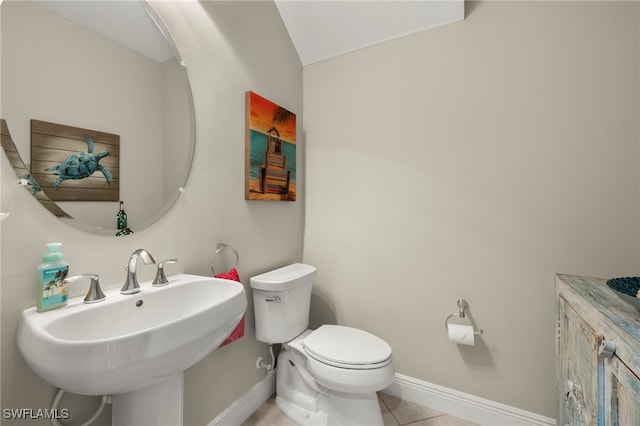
point(75, 164)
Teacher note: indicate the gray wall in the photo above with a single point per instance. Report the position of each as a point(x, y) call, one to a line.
point(475, 160)
point(231, 48)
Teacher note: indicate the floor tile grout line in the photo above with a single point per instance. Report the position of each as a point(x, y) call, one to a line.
point(389, 410)
point(263, 419)
point(411, 422)
point(415, 422)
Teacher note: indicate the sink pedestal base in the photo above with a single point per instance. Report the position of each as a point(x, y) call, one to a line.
point(157, 405)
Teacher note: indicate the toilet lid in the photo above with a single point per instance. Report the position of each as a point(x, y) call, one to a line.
point(347, 347)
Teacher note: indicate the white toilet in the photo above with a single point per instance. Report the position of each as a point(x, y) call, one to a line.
point(327, 376)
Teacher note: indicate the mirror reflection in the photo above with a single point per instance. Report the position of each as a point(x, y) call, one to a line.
point(98, 65)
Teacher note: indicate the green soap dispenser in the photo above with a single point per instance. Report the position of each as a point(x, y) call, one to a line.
point(52, 288)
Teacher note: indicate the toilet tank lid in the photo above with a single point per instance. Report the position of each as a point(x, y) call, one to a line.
point(284, 278)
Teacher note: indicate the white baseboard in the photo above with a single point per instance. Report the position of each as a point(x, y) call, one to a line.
point(469, 407)
point(247, 404)
point(459, 404)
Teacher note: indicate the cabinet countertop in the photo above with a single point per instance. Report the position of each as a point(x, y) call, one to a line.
point(612, 308)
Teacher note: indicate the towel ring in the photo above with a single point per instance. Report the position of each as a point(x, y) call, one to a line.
point(222, 247)
point(462, 306)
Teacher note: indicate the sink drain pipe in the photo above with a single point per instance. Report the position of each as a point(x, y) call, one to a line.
point(58, 397)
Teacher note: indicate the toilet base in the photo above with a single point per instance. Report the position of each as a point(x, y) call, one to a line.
point(307, 403)
point(354, 409)
point(365, 411)
point(300, 415)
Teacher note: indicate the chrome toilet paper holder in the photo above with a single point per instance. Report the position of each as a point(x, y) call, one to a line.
point(462, 306)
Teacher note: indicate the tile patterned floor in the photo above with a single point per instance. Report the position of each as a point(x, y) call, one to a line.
point(395, 412)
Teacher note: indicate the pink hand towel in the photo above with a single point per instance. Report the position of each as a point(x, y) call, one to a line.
point(238, 332)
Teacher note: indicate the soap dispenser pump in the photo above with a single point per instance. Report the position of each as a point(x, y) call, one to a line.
point(52, 289)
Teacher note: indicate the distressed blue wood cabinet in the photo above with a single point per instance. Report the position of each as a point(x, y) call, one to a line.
point(597, 355)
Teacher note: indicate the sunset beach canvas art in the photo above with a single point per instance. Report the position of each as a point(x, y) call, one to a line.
point(270, 151)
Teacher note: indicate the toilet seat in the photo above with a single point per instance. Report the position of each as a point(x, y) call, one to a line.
point(334, 362)
point(346, 347)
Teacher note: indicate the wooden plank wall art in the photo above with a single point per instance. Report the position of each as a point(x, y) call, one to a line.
point(270, 151)
point(74, 164)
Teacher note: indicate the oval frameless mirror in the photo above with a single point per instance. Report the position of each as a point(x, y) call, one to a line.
point(97, 106)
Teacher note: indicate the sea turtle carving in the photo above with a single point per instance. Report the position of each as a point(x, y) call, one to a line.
point(80, 165)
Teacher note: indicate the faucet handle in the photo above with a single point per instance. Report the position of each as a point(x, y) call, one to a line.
point(161, 279)
point(95, 293)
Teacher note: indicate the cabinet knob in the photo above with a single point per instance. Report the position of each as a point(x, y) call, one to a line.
point(607, 348)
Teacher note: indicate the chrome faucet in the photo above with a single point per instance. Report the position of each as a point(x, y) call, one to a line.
point(131, 285)
point(95, 293)
point(161, 279)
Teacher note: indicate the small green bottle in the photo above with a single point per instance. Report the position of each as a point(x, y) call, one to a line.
point(121, 217)
point(52, 289)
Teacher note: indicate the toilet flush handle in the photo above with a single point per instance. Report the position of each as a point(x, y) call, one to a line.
point(272, 299)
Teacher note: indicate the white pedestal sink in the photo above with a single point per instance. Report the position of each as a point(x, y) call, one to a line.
point(134, 347)
point(162, 405)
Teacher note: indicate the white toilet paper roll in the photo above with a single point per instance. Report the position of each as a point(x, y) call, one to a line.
point(461, 334)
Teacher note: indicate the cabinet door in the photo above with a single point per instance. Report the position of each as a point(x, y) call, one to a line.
point(622, 394)
point(577, 365)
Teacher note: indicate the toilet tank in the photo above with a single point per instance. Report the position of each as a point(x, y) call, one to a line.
point(281, 301)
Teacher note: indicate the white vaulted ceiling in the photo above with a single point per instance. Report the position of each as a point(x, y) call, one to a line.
point(321, 29)
point(125, 22)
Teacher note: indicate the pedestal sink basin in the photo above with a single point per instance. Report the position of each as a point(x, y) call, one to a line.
point(132, 345)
